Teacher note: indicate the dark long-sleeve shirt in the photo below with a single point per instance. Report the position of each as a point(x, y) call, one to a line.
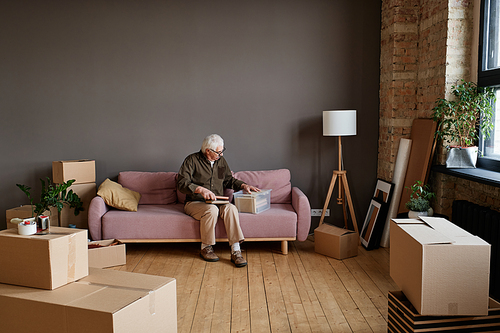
point(196, 171)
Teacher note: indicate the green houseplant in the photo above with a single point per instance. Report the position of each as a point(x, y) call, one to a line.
point(462, 119)
point(420, 200)
point(53, 195)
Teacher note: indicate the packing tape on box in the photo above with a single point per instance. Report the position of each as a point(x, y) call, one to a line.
point(26, 229)
point(71, 257)
point(151, 293)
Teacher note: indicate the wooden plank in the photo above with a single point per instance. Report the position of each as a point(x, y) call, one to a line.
point(294, 308)
point(275, 302)
point(370, 313)
point(134, 255)
point(312, 307)
point(202, 320)
point(369, 287)
point(221, 319)
point(259, 316)
point(240, 308)
point(422, 136)
point(312, 262)
point(381, 279)
point(192, 273)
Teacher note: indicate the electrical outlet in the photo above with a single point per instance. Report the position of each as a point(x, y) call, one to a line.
point(318, 212)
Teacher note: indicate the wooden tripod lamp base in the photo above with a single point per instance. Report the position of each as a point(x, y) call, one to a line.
point(346, 194)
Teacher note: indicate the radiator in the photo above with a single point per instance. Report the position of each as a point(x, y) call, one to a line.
point(485, 223)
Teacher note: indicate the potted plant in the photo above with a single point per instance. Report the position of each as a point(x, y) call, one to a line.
point(53, 195)
point(420, 200)
point(461, 121)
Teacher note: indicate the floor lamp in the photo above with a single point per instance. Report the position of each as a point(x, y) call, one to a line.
point(340, 123)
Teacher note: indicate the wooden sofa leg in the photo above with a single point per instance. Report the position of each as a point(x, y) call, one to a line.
point(284, 247)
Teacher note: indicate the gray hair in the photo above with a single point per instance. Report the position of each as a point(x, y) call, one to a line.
point(212, 142)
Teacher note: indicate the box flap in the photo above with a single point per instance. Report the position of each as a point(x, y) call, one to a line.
point(445, 227)
point(424, 234)
point(333, 230)
point(407, 221)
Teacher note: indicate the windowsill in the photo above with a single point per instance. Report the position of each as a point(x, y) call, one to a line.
point(478, 175)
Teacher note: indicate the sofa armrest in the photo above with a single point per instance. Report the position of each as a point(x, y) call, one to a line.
point(97, 209)
point(300, 204)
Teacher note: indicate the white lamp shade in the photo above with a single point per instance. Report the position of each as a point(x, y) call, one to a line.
point(339, 122)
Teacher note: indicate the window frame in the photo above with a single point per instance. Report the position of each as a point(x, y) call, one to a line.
point(486, 78)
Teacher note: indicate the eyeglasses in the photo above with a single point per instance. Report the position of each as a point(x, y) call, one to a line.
point(218, 152)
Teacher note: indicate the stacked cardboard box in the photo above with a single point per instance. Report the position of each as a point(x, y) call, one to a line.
point(442, 269)
point(43, 261)
point(403, 317)
point(83, 171)
point(26, 211)
point(47, 286)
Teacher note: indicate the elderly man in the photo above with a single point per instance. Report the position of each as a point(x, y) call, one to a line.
point(202, 177)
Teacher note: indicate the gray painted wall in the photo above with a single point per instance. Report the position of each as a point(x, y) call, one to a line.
point(137, 85)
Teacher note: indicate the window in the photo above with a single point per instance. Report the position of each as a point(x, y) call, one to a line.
point(489, 70)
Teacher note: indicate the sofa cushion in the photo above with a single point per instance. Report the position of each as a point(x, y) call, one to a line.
point(115, 195)
point(156, 188)
point(277, 180)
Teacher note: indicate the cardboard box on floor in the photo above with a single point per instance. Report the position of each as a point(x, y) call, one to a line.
point(86, 192)
point(112, 253)
point(442, 269)
point(335, 242)
point(106, 301)
point(402, 317)
point(43, 261)
point(82, 171)
point(24, 212)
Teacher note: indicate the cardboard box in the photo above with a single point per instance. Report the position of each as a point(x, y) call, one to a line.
point(255, 202)
point(111, 253)
point(106, 301)
point(25, 211)
point(43, 261)
point(86, 192)
point(83, 171)
point(335, 242)
point(442, 269)
point(402, 317)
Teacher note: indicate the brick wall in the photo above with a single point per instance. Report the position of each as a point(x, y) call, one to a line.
point(425, 49)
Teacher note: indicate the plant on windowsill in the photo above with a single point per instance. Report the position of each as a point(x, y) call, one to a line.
point(461, 121)
point(420, 200)
point(53, 195)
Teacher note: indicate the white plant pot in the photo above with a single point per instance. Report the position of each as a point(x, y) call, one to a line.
point(414, 215)
point(462, 157)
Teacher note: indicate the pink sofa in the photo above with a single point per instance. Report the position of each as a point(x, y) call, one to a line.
point(160, 215)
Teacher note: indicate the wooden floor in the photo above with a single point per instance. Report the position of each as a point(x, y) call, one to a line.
point(299, 292)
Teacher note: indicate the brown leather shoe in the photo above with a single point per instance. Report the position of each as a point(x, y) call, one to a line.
point(208, 254)
point(238, 259)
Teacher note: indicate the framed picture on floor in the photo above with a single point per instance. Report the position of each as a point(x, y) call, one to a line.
point(373, 224)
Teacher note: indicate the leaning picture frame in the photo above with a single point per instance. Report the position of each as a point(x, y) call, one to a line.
point(383, 191)
point(369, 234)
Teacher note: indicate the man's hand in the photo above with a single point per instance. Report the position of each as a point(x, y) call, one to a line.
point(249, 188)
point(206, 193)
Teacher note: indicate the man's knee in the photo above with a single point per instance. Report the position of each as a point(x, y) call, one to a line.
point(212, 212)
